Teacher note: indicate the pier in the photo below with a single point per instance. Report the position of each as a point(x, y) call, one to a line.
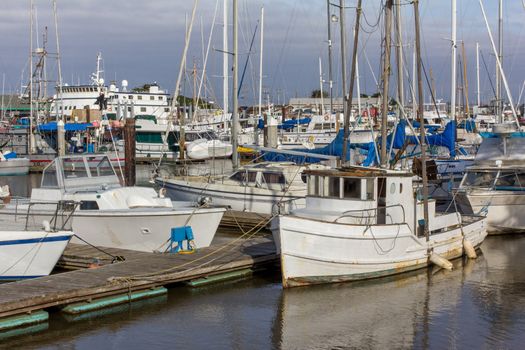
point(127, 275)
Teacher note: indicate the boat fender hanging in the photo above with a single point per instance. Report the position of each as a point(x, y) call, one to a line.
point(438, 260)
point(469, 249)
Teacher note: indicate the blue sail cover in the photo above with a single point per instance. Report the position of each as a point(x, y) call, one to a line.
point(335, 148)
point(399, 140)
point(445, 139)
point(287, 124)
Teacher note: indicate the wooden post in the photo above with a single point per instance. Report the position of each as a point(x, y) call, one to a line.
point(129, 149)
point(386, 79)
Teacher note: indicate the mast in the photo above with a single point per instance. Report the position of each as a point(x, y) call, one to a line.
point(235, 117)
point(499, 102)
point(399, 56)
point(321, 86)
point(330, 77)
point(465, 78)
point(386, 80)
point(343, 53)
point(60, 115)
point(31, 111)
point(348, 109)
point(477, 76)
point(260, 76)
point(453, 83)
point(225, 58)
point(421, 121)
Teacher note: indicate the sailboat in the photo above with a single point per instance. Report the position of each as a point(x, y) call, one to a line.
point(361, 223)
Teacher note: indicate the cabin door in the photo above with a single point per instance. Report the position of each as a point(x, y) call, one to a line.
point(381, 201)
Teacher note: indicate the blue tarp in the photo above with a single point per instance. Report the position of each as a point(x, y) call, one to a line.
point(52, 126)
point(287, 124)
point(446, 139)
point(399, 140)
point(335, 148)
point(430, 128)
point(469, 125)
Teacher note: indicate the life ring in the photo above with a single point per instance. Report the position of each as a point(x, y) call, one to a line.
point(326, 118)
point(311, 139)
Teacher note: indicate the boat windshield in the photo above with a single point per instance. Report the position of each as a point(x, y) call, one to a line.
point(208, 135)
point(480, 178)
point(510, 180)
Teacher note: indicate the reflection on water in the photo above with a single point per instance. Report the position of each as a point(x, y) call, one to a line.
point(480, 304)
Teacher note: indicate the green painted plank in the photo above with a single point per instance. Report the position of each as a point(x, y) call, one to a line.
point(23, 320)
point(220, 278)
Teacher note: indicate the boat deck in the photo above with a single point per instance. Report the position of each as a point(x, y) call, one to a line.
point(139, 271)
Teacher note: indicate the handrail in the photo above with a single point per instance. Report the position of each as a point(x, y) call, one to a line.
point(348, 213)
point(62, 207)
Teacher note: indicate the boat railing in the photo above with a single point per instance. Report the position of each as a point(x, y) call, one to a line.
point(284, 206)
point(371, 214)
point(61, 215)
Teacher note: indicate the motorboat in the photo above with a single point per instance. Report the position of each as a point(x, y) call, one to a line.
point(495, 184)
point(111, 215)
point(361, 223)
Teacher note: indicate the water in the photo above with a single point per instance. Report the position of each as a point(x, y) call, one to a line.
point(480, 304)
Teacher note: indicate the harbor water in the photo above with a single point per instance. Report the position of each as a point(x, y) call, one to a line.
point(480, 304)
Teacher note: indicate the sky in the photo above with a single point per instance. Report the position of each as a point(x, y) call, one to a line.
point(142, 42)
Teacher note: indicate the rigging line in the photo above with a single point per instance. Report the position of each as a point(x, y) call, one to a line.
point(488, 73)
point(247, 59)
point(207, 52)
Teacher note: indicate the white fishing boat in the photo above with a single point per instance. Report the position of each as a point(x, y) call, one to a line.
point(10, 165)
point(495, 184)
point(262, 188)
point(110, 215)
point(362, 223)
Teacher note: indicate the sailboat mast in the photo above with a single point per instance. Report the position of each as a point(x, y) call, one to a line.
point(453, 65)
point(348, 109)
point(421, 120)
point(399, 56)
point(386, 81)
point(321, 87)
point(465, 78)
point(225, 58)
point(31, 111)
point(330, 77)
point(260, 68)
point(499, 102)
point(477, 76)
point(60, 115)
point(235, 116)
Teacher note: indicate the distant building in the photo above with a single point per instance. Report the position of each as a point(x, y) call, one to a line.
point(315, 103)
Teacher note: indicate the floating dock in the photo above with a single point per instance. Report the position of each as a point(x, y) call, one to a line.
point(138, 275)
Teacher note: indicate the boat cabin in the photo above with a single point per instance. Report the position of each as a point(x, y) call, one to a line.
point(495, 178)
point(273, 176)
point(359, 195)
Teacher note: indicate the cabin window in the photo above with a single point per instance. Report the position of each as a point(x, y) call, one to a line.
point(369, 189)
point(143, 109)
point(166, 109)
point(88, 205)
point(334, 187)
point(480, 179)
point(274, 178)
point(100, 167)
point(242, 175)
point(511, 179)
point(49, 176)
point(152, 98)
point(352, 188)
point(400, 188)
point(74, 168)
point(130, 97)
point(139, 97)
point(161, 98)
point(149, 137)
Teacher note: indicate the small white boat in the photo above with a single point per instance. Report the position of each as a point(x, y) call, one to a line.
point(136, 218)
point(10, 165)
point(206, 145)
point(362, 223)
point(495, 184)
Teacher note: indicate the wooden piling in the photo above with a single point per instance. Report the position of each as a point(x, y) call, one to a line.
point(129, 149)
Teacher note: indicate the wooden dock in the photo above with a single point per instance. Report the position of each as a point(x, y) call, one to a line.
point(139, 271)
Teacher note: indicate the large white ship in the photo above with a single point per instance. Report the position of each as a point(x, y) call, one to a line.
point(81, 102)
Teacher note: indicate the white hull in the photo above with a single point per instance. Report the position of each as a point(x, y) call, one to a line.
point(314, 251)
point(141, 230)
point(29, 254)
point(205, 149)
point(17, 166)
point(504, 210)
point(255, 200)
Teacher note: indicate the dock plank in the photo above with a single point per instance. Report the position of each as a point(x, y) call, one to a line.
point(139, 271)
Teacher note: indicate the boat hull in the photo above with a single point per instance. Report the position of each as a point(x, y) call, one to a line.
point(17, 166)
point(260, 201)
point(30, 254)
point(141, 230)
point(314, 251)
point(504, 209)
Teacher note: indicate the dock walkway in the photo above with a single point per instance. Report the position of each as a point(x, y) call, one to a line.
point(139, 271)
